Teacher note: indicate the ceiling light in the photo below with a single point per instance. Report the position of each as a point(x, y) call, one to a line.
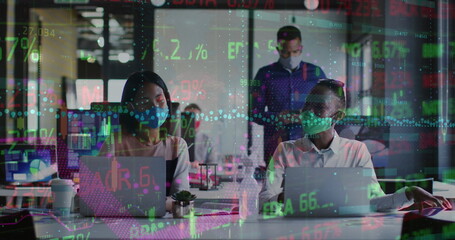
point(123, 57)
point(92, 14)
point(100, 41)
point(113, 23)
point(97, 22)
point(311, 4)
point(96, 30)
point(158, 3)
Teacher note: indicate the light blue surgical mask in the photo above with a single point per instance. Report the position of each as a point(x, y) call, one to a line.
point(153, 117)
point(291, 62)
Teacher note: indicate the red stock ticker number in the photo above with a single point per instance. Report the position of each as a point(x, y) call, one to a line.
point(359, 8)
point(190, 90)
point(255, 4)
point(120, 180)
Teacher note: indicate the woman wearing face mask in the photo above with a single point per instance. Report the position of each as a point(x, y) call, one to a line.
point(322, 147)
point(147, 100)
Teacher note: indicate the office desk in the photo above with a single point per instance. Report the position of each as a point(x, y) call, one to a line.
point(444, 189)
point(223, 227)
point(40, 193)
point(374, 226)
point(226, 193)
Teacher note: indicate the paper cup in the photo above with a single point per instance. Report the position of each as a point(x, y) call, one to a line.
point(62, 195)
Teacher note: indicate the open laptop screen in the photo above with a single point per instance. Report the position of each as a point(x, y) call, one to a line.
point(27, 163)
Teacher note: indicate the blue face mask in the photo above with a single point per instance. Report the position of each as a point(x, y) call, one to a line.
point(153, 117)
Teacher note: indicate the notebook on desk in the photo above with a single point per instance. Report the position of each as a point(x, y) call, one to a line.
point(214, 208)
point(326, 192)
point(122, 186)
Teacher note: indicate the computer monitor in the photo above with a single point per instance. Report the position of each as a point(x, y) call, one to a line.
point(27, 163)
point(82, 133)
point(76, 134)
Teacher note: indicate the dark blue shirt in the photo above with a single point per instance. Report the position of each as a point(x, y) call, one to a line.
point(278, 89)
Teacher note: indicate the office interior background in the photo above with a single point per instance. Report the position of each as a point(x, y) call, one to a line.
point(396, 58)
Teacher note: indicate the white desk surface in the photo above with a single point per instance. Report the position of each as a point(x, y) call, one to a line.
point(375, 226)
point(20, 193)
point(26, 192)
point(443, 189)
point(228, 190)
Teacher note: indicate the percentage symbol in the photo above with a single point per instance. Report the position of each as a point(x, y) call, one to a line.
point(51, 140)
point(185, 124)
point(202, 53)
point(402, 50)
point(197, 86)
point(393, 49)
point(44, 134)
point(188, 130)
point(29, 47)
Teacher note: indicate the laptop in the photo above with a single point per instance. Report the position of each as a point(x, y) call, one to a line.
point(26, 165)
point(136, 187)
point(327, 192)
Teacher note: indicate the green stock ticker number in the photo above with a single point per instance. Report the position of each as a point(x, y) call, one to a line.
point(234, 48)
point(386, 49)
point(199, 52)
point(307, 202)
point(23, 43)
point(79, 236)
point(436, 50)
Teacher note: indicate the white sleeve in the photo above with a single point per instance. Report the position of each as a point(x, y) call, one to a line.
point(180, 180)
point(379, 201)
point(391, 201)
point(365, 162)
point(274, 177)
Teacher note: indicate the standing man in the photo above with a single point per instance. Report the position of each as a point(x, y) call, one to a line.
point(204, 151)
point(281, 92)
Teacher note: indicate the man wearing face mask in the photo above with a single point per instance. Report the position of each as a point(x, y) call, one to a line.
point(281, 91)
point(203, 147)
point(322, 147)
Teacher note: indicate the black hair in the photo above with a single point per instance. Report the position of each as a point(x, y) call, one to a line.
point(133, 84)
point(193, 106)
point(336, 87)
point(288, 33)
